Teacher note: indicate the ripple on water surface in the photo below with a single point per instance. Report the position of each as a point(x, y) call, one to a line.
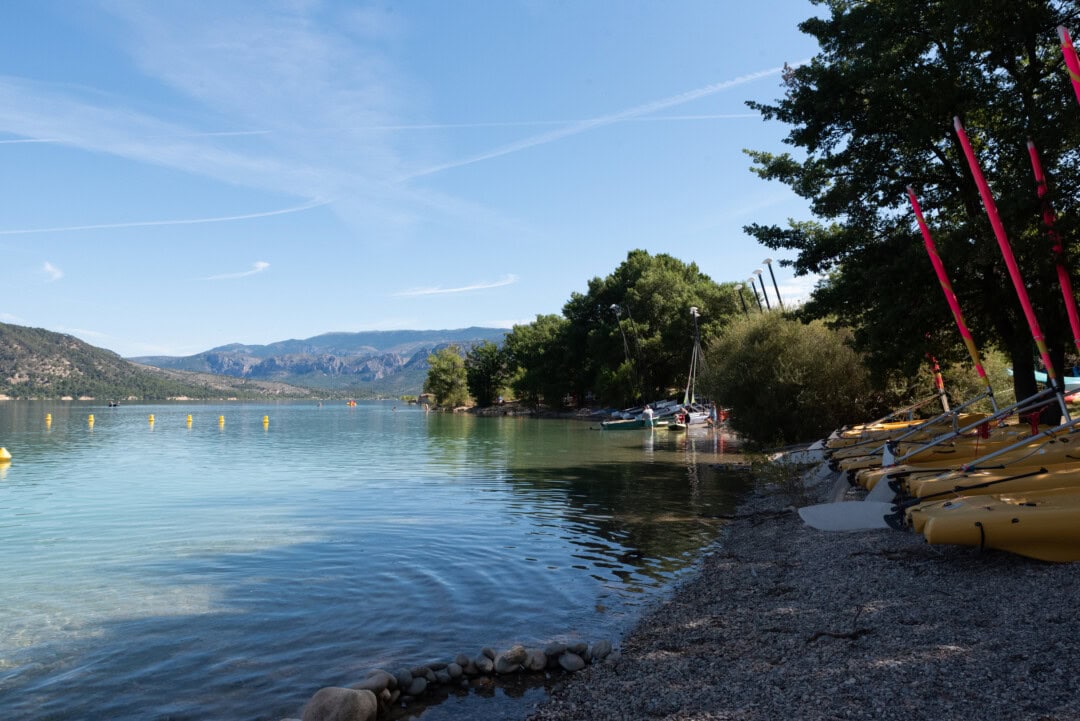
point(160, 570)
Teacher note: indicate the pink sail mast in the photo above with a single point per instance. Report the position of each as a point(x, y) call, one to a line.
point(1071, 61)
point(1010, 260)
point(1057, 247)
point(950, 295)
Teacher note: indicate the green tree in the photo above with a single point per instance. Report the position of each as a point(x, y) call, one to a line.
point(536, 353)
point(446, 378)
point(871, 114)
point(486, 372)
point(632, 332)
point(786, 381)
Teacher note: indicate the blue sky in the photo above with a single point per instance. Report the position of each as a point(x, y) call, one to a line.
point(177, 175)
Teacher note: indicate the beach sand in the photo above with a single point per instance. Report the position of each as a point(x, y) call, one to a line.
point(785, 622)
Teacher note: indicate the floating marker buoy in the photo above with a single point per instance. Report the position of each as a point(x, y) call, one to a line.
point(4, 455)
point(151, 417)
point(189, 420)
point(90, 419)
point(266, 420)
point(221, 420)
point(48, 417)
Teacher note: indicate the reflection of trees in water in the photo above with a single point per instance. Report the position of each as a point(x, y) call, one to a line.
point(634, 504)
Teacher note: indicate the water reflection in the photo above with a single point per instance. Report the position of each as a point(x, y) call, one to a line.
point(332, 541)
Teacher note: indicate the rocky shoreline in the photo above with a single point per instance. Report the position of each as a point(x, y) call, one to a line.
point(785, 622)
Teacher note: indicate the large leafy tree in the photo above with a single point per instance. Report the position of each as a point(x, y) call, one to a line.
point(536, 353)
point(632, 334)
point(446, 378)
point(486, 372)
point(872, 113)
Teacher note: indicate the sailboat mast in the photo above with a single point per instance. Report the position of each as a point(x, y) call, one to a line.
point(691, 381)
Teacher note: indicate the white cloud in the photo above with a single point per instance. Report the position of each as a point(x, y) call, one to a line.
point(257, 267)
point(508, 280)
point(52, 271)
point(592, 123)
point(184, 221)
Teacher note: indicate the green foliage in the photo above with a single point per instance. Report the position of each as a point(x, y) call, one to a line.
point(871, 114)
point(786, 381)
point(537, 354)
point(628, 338)
point(486, 372)
point(962, 382)
point(446, 378)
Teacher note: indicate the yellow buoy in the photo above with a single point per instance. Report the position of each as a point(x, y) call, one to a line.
point(151, 417)
point(221, 420)
point(4, 455)
point(189, 420)
point(48, 417)
point(266, 420)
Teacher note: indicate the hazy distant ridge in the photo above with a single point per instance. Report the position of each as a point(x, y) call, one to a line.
point(37, 363)
point(366, 363)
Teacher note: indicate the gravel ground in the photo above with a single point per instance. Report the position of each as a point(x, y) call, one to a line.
point(785, 622)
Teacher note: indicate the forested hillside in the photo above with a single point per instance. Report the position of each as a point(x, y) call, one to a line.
point(36, 363)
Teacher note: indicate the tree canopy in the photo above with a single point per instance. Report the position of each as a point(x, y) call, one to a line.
point(629, 337)
point(446, 378)
point(873, 112)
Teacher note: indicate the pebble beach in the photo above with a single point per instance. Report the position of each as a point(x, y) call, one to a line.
point(786, 622)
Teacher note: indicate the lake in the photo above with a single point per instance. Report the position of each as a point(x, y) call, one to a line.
point(226, 571)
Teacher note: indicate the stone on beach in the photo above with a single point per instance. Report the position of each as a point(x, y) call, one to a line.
point(377, 681)
point(510, 661)
point(418, 686)
point(535, 660)
point(600, 650)
point(483, 664)
point(341, 704)
point(571, 661)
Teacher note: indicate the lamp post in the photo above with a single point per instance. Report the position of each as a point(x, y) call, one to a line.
point(757, 273)
point(625, 345)
point(742, 299)
point(768, 264)
point(756, 296)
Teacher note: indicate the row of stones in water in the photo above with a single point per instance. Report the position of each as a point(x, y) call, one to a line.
point(381, 690)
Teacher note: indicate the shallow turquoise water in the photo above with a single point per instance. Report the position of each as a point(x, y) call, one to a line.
point(160, 571)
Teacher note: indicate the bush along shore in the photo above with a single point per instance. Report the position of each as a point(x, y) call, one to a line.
point(382, 694)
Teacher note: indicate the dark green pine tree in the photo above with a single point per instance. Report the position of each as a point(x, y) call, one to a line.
point(872, 113)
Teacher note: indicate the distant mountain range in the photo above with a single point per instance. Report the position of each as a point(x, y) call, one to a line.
point(364, 364)
point(37, 363)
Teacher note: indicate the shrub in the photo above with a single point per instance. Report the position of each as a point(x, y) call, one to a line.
point(786, 381)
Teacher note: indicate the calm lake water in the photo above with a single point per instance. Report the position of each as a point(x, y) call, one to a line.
point(227, 572)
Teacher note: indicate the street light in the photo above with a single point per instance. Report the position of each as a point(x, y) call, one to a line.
point(742, 299)
point(766, 295)
point(768, 263)
point(756, 296)
point(625, 345)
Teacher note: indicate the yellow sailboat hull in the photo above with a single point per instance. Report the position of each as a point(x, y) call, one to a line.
point(1041, 524)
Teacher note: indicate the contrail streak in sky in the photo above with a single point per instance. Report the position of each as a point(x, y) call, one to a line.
point(184, 221)
point(584, 125)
